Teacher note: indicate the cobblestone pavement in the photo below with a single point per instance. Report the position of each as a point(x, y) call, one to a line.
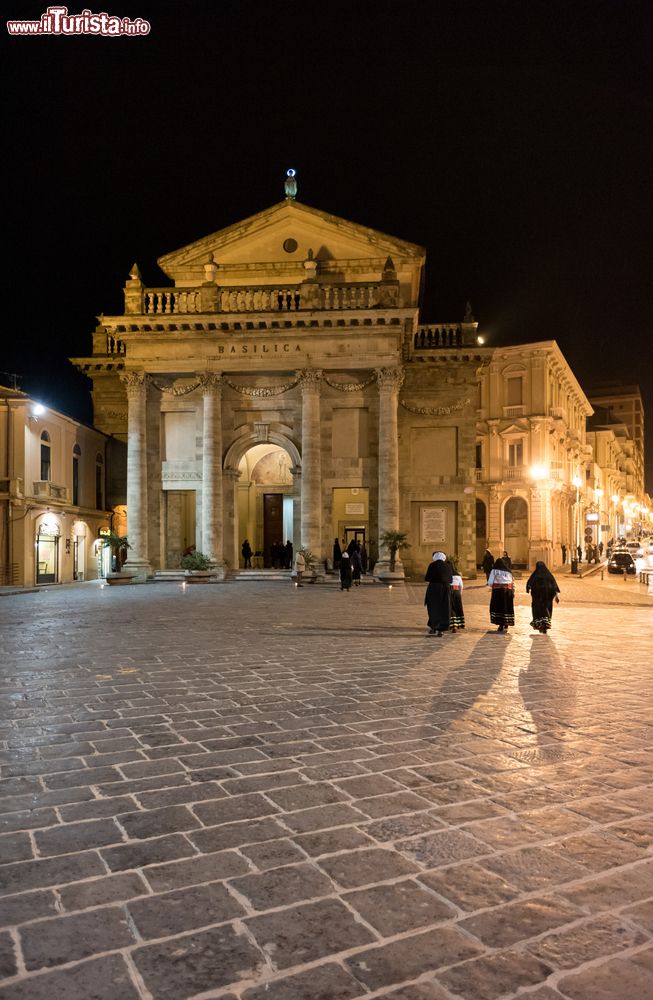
point(256, 792)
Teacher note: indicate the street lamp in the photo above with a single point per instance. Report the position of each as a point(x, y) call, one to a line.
point(577, 482)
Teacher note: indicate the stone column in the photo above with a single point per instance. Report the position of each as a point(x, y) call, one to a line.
point(231, 551)
point(311, 478)
point(212, 497)
point(390, 381)
point(137, 510)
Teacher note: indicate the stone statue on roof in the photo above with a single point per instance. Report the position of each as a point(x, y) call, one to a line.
point(290, 184)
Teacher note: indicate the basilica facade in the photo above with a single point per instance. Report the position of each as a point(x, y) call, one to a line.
point(283, 387)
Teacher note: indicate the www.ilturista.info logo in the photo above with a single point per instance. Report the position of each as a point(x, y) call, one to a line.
point(57, 21)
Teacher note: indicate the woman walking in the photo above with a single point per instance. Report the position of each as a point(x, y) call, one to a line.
point(487, 563)
point(457, 612)
point(502, 601)
point(544, 590)
point(345, 572)
point(438, 594)
point(356, 567)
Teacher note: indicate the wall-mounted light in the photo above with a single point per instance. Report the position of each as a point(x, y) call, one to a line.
point(480, 341)
point(38, 409)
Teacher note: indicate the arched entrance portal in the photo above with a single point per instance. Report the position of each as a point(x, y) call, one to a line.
point(515, 530)
point(265, 505)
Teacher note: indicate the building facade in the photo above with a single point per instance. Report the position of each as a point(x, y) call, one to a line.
point(532, 455)
point(623, 405)
point(283, 388)
point(53, 495)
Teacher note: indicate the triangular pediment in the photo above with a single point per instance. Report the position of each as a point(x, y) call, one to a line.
point(512, 429)
point(280, 238)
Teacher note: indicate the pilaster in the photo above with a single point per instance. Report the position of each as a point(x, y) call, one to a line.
point(389, 382)
point(137, 510)
point(212, 496)
point(311, 479)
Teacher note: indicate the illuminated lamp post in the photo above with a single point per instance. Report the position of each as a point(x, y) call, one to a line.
point(577, 482)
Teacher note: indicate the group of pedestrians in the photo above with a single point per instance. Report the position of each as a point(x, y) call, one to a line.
point(443, 598)
point(351, 563)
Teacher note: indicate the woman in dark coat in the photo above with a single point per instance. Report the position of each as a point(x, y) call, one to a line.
point(345, 571)
point(488, 563)
point(438, 594)
point(337, 554)
point(544, 590)
point(356, 567)
point(502, 601)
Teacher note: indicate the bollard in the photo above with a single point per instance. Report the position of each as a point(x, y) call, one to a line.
point(601, 574)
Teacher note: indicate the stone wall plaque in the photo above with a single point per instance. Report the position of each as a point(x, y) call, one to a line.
point(354, 508)
point(434, 525)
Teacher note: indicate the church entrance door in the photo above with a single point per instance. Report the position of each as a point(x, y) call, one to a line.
point(272, 527)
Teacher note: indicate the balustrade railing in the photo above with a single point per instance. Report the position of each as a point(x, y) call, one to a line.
point(231, 300)
point(513, 472)
point(265, 298)
point(441, 335)
point(171, 300)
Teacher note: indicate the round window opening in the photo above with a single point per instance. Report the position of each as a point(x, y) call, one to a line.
point(290, 245)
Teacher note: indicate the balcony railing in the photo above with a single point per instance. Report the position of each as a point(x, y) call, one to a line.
point(268, 298)
point(514, 411)
point(441, 335)
point(480, 475)
point(44, 488)
point(513, 472)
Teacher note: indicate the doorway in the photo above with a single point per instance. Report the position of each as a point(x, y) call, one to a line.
point(355, 535)
point(515, 530)
point(272, 529)
point(47, 558)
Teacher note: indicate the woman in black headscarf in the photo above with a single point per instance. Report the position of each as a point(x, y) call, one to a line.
point(544, 590)
point(438, 594)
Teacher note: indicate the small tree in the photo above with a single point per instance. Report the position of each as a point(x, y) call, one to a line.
point(394, 541)
point(195, 560)
point(116, 543)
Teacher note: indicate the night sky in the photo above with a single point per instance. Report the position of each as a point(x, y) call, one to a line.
point(513, 141)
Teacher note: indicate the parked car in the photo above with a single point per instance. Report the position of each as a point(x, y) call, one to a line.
point(620, 561)
point(633, 548)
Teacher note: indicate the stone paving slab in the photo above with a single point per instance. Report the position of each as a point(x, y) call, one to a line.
point(258, 793)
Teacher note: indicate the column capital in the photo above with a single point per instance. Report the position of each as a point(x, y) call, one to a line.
point(310, 378)
point(390, 378)
point(210, 382)
point(133, 381)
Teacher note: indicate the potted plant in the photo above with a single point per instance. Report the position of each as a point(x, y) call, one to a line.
point(394, 541)
point(197, 566)
point(118, 545)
